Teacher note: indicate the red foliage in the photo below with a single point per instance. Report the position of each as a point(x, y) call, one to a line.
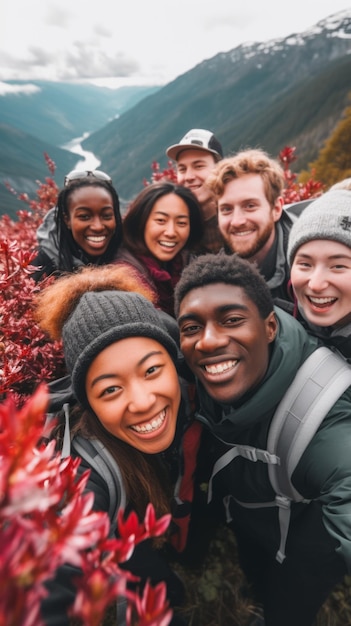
point(294, 191)
point(46, 520)
point(169, 173)
point(27, 357)
point(46, 198)
point(150, 608)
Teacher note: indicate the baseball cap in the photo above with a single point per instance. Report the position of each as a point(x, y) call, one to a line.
point(197, 138)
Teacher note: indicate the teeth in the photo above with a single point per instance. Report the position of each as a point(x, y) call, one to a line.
point(243, 233)
point(321, 300)
point(220, 367)
point(96, 239)
point(150, 426)
point(168, 244)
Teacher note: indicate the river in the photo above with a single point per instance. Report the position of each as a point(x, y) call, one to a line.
point(90, 162)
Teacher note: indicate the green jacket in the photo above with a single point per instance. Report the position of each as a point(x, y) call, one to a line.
point(323, 473)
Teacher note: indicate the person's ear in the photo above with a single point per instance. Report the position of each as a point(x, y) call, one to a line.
point(278, 208)
point(271, 323)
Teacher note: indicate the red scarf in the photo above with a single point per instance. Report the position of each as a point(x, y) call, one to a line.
point(164, 280)
point(184, 496)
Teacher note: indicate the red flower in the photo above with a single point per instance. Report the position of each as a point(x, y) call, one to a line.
point(46, 520)
point(150, 527)
point(152, 608)
point(295, 191)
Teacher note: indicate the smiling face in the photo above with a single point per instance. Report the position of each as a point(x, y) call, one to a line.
point(133, 388)
point(321, 278)
point(167, 228)
point(245, 217)
point(193, 168)
point(224, 340)
point(91, 218)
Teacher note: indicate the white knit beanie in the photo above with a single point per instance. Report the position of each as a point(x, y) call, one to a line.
point(328, 217)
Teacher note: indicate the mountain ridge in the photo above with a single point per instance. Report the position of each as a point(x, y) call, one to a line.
point(227, 94)
point(285, 91)
point(46, 116)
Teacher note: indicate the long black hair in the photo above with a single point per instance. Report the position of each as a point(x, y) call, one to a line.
point(140, 208)
point(67, 246)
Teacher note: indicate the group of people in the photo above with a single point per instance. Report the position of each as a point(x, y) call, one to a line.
point(85, 229)
point(182, 338)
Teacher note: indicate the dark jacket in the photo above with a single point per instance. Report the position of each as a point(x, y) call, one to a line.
point(323, 473)
point(275, 268)
point(337, 338)
point(146, 562)
point(48, 258)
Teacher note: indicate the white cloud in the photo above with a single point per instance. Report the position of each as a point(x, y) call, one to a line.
point(132, 40)
point(28, 89)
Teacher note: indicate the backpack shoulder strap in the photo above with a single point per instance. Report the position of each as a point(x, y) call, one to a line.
point(102, 461)
point(318, 384)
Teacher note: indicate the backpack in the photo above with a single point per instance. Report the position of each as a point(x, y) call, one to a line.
point(101, 460)
point(318, 384)
point(98, 457)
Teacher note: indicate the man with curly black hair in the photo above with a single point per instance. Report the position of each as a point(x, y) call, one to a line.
point(245, 353)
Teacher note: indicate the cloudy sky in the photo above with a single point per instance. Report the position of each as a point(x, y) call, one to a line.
point(138, 41)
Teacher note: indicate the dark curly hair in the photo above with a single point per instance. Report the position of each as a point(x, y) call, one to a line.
point(229, 269)
point(140, 208)
point(64, 236)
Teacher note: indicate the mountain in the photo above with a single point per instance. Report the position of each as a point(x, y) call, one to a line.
point(40, 116)
point(58, 112)
point(289, 91)
point(22, 163)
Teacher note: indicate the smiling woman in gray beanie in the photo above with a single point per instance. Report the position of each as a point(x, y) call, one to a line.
point(319, 253)
point(122, 362)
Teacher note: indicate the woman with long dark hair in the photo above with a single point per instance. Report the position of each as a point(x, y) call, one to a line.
point(123, 366)
point(85, 227)
point(161, 226)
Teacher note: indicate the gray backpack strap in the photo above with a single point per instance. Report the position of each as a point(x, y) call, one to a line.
point(66, 443)
point(318, 384)
point(246, 452)
point(220, 464)
point(102, 461)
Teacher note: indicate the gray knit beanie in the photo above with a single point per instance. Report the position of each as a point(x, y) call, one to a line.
point(328, 217)
point(100, 319)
